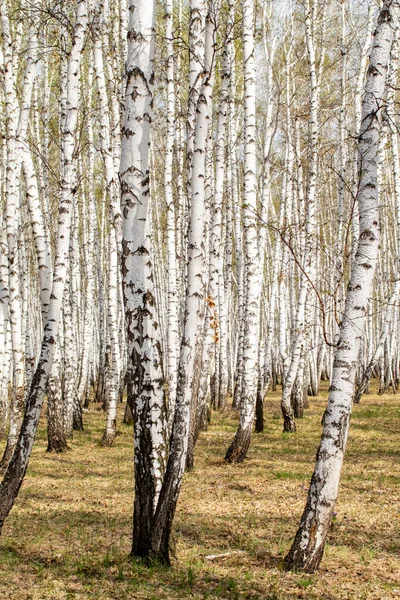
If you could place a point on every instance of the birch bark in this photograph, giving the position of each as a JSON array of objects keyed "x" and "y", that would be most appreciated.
[
  {"x": 13, "y": 228},
  {"x": 389, "y": 313},
  {"x": 112, "y": 186},
  {"x": 216, "y": 282},
  {"x": 193, "y": 327},
  {"x": 299, "y": 342},
  {"x": 308, "y": 546},
  {"x": 238, "y": 449},
  {"x": 146, "y": 381},
  {"x": 18, "y": 464},
  {"x": 173, "y": 324}
]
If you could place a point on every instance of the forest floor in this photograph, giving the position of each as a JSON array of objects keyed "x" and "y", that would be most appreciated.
[{"x": 69, "y": 534}]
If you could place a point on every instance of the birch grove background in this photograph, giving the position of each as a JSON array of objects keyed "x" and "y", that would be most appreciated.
[{"x": 192, "y": 198}]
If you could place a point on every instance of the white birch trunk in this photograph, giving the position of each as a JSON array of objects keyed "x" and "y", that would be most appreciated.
[
  {"x": 18, "y": 464},
  {"x": 191, "y": 347},
  {"x": 146, "y": 381},
  {"x": 308, "y": 546},
  {"x": 299, "y": 343},
  {"x": 173, "y": 325},
  {"x": 13, "y": 217},
  {"x": 239, "y": 446},
  {"x": 106, "y": 148}
]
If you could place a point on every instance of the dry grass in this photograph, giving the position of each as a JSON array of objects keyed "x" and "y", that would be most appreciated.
[{"x": 69, "y": 534}]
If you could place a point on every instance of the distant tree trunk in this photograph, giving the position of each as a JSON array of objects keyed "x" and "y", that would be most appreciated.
[
  {"x": 238, "y": 449},
  {"x": 114, "y": 234},
  {"x": 190, "y": 360},
  {"x": 13, "y": 225},
  {"x": 264, "y": 346},
  {"x": 173, "y": 298},
  {"x": 300, "y": 341},
  {"x": 216, "y": 280},
  {"x": 18, "y": 464},
  {"x": 358, "y": 110},
  {"x": 308, "y": 546},
  {"x": 67, "y": 377},
  {"x": 193, "y": 327},
  {"x": 366, "y": 376},
  {"x": 56, "y": 440},
  {"x": 4, "y": 345}
]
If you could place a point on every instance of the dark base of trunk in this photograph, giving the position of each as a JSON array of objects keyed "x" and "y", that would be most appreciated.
[
  {"x": 235, "y": 403},
  {"x": 8, "y": 452},
  {"x": 213, "y": 392},
  {"x": 259, "y": 426},
  {"x": 151, "y": 536},
  {"x": 289, "y": 424},
  {"x": 203, "y": 417},
  {"x": 301, "y": 560},
  {"x": 151, "y": 558},
  {"x": 312, "y": 390},
  {"x": 142, "y": 549},
  {"x": 299, "y": 411},
  {"x": 128, "y": 416},
  {"x": 189, "y": 461},
  {"x": 236, "y": 396},
  {"x": 86, "y": 396},
  {"x": 57, "y": 444},
  {"x": 108, "y": 438},
  {"x": 274, "y": 376},
  {"x": 77, "y": 416},
  {"x": 324, "y": 375},
  {"x": 237, "y": 451},
  {"x": 297, "y": 401}
]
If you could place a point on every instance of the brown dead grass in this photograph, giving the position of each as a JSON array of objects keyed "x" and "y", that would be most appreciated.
[{"x": 69, "y": 534}]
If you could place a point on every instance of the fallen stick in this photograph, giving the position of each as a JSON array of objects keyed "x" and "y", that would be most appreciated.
[{"x": 225, "y": 554}]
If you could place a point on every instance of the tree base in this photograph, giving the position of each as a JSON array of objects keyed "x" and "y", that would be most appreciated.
[
  {"x": 189, "y": 466},
  {"x": 108, "y": 438},
  {"x": 289, "y": 424},
  {"x": 237, "y": 451},
  {"x": 57, "y": 446},
  {"x": 259, "y": 425},
  {"x": 151, "y": 559},
  {"x": 300, "y": 560},
  {"x": 77, "y": 421}
]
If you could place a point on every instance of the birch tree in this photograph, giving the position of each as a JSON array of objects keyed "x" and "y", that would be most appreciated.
[
  {"x": 13, "y": 223},
  {"x": 238, "y": 449},
  {"x": 18, "y": 464},
  {"x": 146, "y": 382},
  {"x": 307, "y": 549}
]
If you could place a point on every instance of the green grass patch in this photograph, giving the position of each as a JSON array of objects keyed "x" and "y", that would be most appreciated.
[{"x": 69, "y": 534}]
